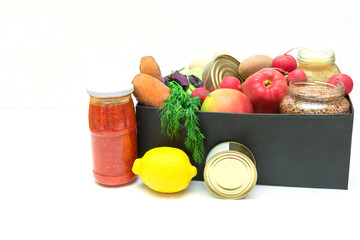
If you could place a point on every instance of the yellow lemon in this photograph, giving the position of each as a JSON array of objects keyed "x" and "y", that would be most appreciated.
[{"x": 165, "y": 169}]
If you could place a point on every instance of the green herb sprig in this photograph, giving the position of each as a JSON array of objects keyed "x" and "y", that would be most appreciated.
[{"x": 180, "y": 107}]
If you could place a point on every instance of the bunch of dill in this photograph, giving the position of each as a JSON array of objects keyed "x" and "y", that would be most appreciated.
[{"x": 180, "y": 108}]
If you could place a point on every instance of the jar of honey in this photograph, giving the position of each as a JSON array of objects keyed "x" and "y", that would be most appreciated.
[
  {"x": 112, "y": 124},
  {"x": 317, "y": 62}
]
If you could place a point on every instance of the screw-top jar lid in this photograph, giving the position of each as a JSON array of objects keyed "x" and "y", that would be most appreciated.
[{"x": 110, "y": 90}]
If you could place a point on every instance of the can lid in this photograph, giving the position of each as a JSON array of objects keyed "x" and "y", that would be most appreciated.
[
  {"x": 230, "y": 175},
  {"x": 110, "y": 90},
  {"x": 222, "y": 66}
]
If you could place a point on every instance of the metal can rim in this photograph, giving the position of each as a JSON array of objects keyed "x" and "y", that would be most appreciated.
[
  {"x": 242, "y": 145},
  {"x": 228, "y": 193}
]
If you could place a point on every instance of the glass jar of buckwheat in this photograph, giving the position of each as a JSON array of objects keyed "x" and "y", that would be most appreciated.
[{"x": 314, "y": 95}]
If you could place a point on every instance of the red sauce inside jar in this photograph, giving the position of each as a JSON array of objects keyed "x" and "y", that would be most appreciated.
[{"x": 112, "y": 123}]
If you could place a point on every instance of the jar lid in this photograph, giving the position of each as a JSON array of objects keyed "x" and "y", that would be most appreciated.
[{"x": 110, "y": 90}]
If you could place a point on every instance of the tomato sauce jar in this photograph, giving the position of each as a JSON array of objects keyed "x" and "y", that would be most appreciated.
[{"x": 112, "y": 124}]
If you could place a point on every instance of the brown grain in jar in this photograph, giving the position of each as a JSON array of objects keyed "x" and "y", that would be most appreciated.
[{"x": 314, "y": 96}]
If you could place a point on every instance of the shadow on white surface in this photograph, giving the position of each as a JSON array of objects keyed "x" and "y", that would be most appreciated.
[
  {"x": 118, "y": 186},
  {"x": 156, "y": 194}
]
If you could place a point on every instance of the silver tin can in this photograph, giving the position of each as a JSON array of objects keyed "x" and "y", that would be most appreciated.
[
  {"x": 222, "y": 66},
  {"x": 230, "y": 170}
]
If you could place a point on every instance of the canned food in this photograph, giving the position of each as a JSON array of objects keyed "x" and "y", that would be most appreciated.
[
  {"x": 215, "y": 71},
  {"x": 230, "y": 170}
]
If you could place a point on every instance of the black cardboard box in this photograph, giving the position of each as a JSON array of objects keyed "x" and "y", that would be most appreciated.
[{"x": 290, "y": 150}]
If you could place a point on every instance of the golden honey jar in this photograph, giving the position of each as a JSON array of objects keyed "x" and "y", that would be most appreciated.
[
  {"x": 317, "y": 62},
  {"x": 230, "y": 170}
]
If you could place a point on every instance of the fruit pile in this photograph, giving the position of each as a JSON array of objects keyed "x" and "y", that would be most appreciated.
[{"x": 258, "y": 86}]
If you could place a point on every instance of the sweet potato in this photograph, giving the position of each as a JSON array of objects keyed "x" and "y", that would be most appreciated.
[
  {"x": 149, "y": 91},
  {"x": 148, "y": 65}
]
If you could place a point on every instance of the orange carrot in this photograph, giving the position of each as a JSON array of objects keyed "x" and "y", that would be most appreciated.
[
  {"x": 148, "y": 65},
  {"x": 149, "y": 91}
]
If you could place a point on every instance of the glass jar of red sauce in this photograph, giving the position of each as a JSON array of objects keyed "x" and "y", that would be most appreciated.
[{"x": 112, "y": 125}]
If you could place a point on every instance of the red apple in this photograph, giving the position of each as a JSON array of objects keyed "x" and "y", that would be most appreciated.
[
  {"x": 297, "y": 73},
  {"x": 227, "y": 100},
  {"x": 348, "y": 82},
  {"x": 230, "y": 82},
  {"x": 265, "y": 89}
]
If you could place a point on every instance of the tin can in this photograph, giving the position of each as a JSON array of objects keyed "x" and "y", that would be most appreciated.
[
  {"x": 215, "y": 71},
  {"x": 230, "y": 170}
]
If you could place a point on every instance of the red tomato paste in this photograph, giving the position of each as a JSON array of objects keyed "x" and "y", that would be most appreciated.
[{"x": 114, "y": 144}]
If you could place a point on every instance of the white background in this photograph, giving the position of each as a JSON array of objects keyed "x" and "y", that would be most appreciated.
[{"x": 50, "y": 51}]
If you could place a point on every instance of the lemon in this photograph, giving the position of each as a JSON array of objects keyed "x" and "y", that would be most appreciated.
[{"x": 165, "y": 169}]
